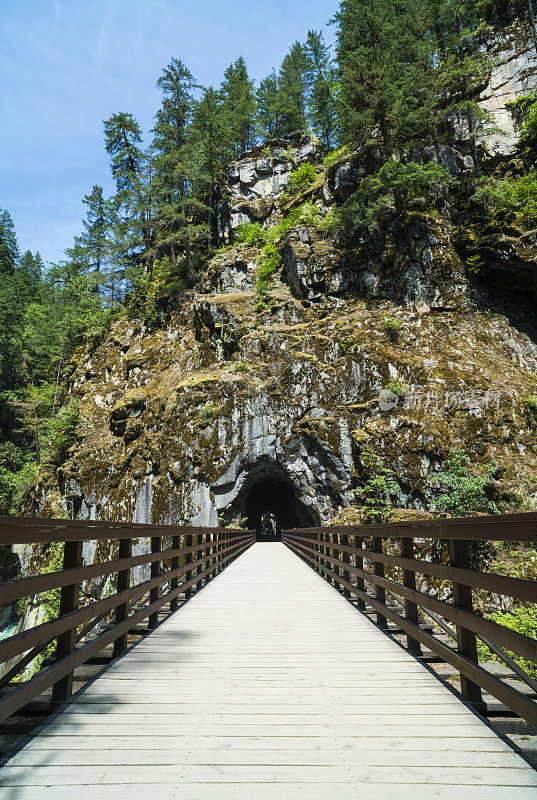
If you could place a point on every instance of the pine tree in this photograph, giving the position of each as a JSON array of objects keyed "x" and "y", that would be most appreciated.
[
  {"x": 463, "y": 66},
  {"x": 209, "y": 142},
  {"x": 177, "y": 208},
  {"x": 10, "y": 306},
  {"x": 293, "y": 89},
  {"x": 239, "y": 107},
  {"x": 268, "y": 104},
  {"x": 132, "y": 173},
  {"x": 96, "y": 233},
  {"x": 170, "y": 130},
  {"x": 29, "y": 274},
  {"x": 386, "y": 63},
  {"x": 321, "y": 80}
]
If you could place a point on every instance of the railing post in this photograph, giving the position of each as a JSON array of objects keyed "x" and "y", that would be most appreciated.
[
  {"x": 345, "y": 539},
  {"x": 212, "y": 562},
  {"x": 66, "y": 642},
  {"x": 154, "y": 594},
  {"x": 123, "y": 583},
  {"x": 326, "y": 552},
  {"x": 316, "y": 555},
  {"x": 174, "y": 582},
  {"x": 200, "y": 568},
  {"x": 188, "y": 560},
  {"x": 380, "y": 592},
  {"x": 358, "y": 542},
  {"x": 224, "y": 554},
  {"x": 409, "y": 580},
  {"x": 466, "y": 640},
  {"x": 208, "y": 558}
]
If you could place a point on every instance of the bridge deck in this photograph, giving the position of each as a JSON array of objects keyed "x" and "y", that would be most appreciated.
[{"x": 267, "y": 684}]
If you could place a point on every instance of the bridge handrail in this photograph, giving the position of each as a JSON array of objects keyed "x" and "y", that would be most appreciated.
[
  {"x": 191, "y": 558},
  {"x": 341, "y": 556}
]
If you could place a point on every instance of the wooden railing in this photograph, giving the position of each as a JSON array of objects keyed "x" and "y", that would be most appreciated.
[
  {"x": 190, "y": 558},
  {"x": 354, "y": 559}
]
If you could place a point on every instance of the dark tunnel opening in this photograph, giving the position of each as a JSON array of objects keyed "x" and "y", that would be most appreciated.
[{"x": 271, "y": 505}]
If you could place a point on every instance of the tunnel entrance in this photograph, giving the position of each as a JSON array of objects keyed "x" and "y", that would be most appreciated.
[
  {"x": 270, "y": 508},
  {"x": 268, "y": 503}
]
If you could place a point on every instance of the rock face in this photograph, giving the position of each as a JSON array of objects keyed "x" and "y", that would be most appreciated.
[
  {"x": 254, "y": 183},
  {"x": 514, "y": 73}
]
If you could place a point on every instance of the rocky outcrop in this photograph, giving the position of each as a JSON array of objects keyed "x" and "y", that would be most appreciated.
[
  {"x": 514, "y": 73},
  {"x": 253, "y": 184}
]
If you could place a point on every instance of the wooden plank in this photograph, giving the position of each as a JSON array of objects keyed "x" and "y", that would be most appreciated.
[
  {"x": 299, "y": 756},
  {"x": 275, "y": 773},
  {"x": 354, "y": 746},
  {"x": 180, "y": 790}
]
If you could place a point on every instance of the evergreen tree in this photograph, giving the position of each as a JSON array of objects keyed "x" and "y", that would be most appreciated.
[
  {"x": 239, "y": 107},
  {"x": 321, "y": 80},
  {"x": 209, "y": 142},
  {"x": 30, "y": 273},
  {"x": 96, "y": 231},
  {"x": 132, "y": 173},
  {"x": 463, "y": 66},
  {"x": 10, "y": 306},
  {"x": 293, "y": 89},
  {"x": 170, "y": 129},
  {"x": 386, "y": 64},
  {"x": 177, "y": 207},
  {"x": 268, "y": 104}
]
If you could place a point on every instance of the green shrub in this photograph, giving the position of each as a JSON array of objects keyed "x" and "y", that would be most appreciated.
[
  {"x": 336, "y": 155},
  {"x": 397, "y": 386},
  {"x": 380, "y": 488},
  {"x": 250, "y": 233},
  {"x": 522, "y": 620},
  {"x": 463, "y": 491},
  {"x": 524, "y": 113},
  {"x": 300, "y": 180},
  {"x": 327, "y": 224},
  {"x": 209, "y": 409},
  {"x": 392, "y": 327},
  {"x": 530, "y": 407},
  {"x": 269, "y": 264},
  {"x": 166, "y": 278},
  {"x": 389, "y": 190},
  {"x": 518, "y": 195},
  {"x": 61, "y": 431},
  {"x": 242, "y": 366}
]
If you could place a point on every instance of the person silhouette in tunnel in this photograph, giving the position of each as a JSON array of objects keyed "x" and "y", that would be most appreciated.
[{"x": 269, "y": 524}]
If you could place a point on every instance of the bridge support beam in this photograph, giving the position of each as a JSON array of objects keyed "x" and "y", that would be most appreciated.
[
  {"x": 188, "y": 560},
  {"x": 358, "y": 543}
]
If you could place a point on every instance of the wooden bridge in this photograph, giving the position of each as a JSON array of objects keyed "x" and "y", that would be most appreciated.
[{"x": 266, "y": 676}]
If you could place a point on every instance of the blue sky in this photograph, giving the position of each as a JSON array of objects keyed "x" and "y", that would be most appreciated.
[{"x": 66, "y": 65}]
